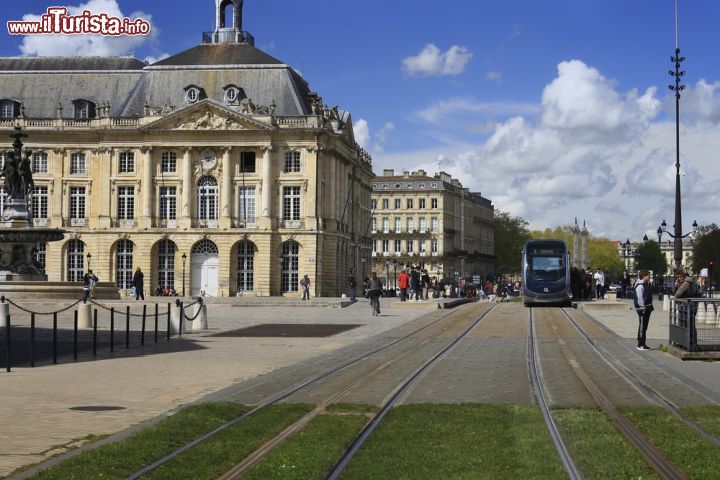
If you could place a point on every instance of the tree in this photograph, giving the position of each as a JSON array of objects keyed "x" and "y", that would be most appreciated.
[
  {"x": 649, "y": 257},
  {"x": 706, "y": 250},
  {"x": 511, "y": 233},
  {"x": 603, "y": 253}
]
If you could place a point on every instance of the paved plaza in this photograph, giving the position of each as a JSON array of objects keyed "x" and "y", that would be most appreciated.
[{"x": 38, "y": 420}]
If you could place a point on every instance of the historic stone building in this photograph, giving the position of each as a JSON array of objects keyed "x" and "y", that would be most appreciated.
[
  {"x": 216, "y": 171},
  {"x": 433, "y": 222}
]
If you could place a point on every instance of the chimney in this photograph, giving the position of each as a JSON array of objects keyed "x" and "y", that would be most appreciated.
[
  {"x": 406, "y": 173},
  {"x": 388, "y": 172},
  {"x": 422, "y": 173}
]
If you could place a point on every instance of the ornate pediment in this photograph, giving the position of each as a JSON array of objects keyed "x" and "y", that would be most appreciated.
[{"x": 207, "y": 115}]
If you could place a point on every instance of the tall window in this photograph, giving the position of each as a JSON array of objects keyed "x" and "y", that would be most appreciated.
[
  {"x": 386, "y": 225},
  {"x": 409, "y": 203},
  {"x": 124, "y": 264},
  {"x": 397, "y": 204},
  {"x": 166, "y": 264},
  {"x": 77, "y": 202},
  {"x": 434, "y": 224},
  {"x": 434, "y": 245},
  {"x": 126, "y": 162},
  {"x": 3, "y": 199},
  {"x": 292, "y": 162},
  {"x": 398, "y": 247},
  {"x": 126, "y": 203},
  {"x": 291, "y": 203},
  {"x": 207, "y": 199},
  {"x": 421, "y": 203},
  {"x": 40, "y": 251},
  {"x": 247, "y": 162},
  {"x": 373, "y": 204},
  {"x": 246, "y": 208},
  {"x": 245, "y": 266},
  {"x": 398, "y": 225},
  {"x": 373, "y": 224},
  {"x": 421, "y": 246},
  {"x": 168, "y": 162},
  {"x": 385, "y": 245},
  {"x": 75, "y": 258},
  {"x": 8, "y": 109},
  {"x": 409, "y": 246},
  {"x": 40, "y": 202},
  {"x": 421, "y": 224},
  {"x": 290, "y": 267},
  {"x": 84, "y": 109},
  {"x": 40, "y": 162},
  {"x": 385, "y": 204},
  {"x": 433, "y": 203},
  {"x": 77, "y": 163},
  {"x": 410, "y": 224},
  {"x": 168, "y": 203}
]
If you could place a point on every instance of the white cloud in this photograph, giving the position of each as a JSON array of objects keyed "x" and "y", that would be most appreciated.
[
  {"x": 588, "y": 150},
  {"x": 151, "y": 59},
  {"x": 86, "y": 45},
  {"x": 365, "y": 138},
  {"x": 494, "y": 76},
  {"x": 432, "y": 62},
  {"x": 362, "y": 133}
]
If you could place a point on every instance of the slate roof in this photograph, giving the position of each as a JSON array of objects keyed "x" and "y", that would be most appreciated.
[
  {"x": 220, "y": 54},
  {"x": 69, "y": 63}
]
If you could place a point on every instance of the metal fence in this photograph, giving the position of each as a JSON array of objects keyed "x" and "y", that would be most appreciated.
[
  {"x": 29, "y": 337},
  {"x": 695, "y": 324}
]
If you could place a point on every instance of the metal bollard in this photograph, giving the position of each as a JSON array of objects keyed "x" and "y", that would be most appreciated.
[
  {"x": 95, "y": 333},
  {"x": 112, "y": 329},
  {"x": 142, "y": 331},
  {"x": 84, "y": 312},
  {"x": 4, "y": 313},
  {"x": 54, "y": 348},
  {"x": 127, "y": 328},
  {"x": 32, "y": 340},
  {"x": 175, "y": 318},
  {"x": 8, "y": 343},
  {"x": 156, "y": 322}
]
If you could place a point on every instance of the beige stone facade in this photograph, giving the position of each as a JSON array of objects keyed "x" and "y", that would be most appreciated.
[
  {"x": 433, "y": 222},
  {"x": 217, "y": 166}
]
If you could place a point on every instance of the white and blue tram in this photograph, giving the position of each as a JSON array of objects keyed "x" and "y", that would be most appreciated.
[{"x": 546, "y": 272}]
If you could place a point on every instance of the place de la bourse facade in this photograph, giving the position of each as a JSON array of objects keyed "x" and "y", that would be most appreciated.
[{"x": 215, "y": 171}]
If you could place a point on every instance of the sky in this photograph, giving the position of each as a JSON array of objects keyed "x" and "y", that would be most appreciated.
[{"x": 553, "y": 109}]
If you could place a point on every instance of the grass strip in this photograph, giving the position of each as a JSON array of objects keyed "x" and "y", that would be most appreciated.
[
  {"x": 468, "y": 441},
  {"x": 217, "y": 455},
  {"x": 313, "y": 451},
  {"x": 119, "y": 459},
  {"x": 351, "y": 408},
  {"x": 597, "y": 448},
  {"x": 707, "y": 416},
  {"x": 697, "y": 456}
]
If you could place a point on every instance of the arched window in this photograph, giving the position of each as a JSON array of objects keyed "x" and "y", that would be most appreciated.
[
  {"x": 245, "y": 266},
  {"x": 227, "y": 10},
  {"x": 124, "y": 264},
  {"x": 207, "y": 199},
  {"x": 9, "y": 108},
  {"x": 193, "y": 94},
  {"x": 83, "y": 109},
  {"x": 205, "y": 246},
  {"x": 75, "y": 258},
  {"x": 166, "y": 264},
  {"x": 290, "y": 266}
]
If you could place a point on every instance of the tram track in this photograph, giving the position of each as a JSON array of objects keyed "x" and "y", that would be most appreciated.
[
  {"x": 287, "y": 393},
  {"x": 651, "y": 454}
]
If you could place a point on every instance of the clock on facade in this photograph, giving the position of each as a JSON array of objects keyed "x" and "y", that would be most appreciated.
[{"x": 207, "y": 160}]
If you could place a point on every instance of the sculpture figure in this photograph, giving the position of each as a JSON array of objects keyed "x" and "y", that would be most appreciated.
[
  {"x": 25, "y": 173},
  {"x": 11, "y": 172}
]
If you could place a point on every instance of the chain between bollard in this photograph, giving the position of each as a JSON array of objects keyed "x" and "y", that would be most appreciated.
[
  {"x": 104, "y": 307},
  {"x": 26, "y": 310}
]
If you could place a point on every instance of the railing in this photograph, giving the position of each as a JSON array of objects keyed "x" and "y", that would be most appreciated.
[
  {"x": 83, "y": 123},
  {"x": 164, "y": 223},
  {"x": 294, "y": 224},
  {"x": 248, "y": 222},
  {"x": 695, "y": 323},
  {"x": 74, "y": 222},
  {"x": 126, "y": 122}
]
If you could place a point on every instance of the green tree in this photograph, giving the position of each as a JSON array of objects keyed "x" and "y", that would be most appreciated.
[
  {"x": 649, "y": 257},
  {"x": 603, "y": 253},
  {"x": 706, "y": 250},
  {"x": 511, "y": 233}
]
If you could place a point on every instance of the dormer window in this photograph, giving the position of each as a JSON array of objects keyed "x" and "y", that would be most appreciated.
[
  {"x": 233, "y": 94},
  {"x": 193, "y": 94},
  {"x": 84, "y": 109},
  {"x": 9, "y": 109}
]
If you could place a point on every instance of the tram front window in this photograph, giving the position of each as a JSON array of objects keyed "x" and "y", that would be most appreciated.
[{"x": 545, "y": 270}]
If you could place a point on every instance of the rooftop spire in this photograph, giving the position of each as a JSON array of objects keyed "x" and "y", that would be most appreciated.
[{"x": 228, "y": 24}]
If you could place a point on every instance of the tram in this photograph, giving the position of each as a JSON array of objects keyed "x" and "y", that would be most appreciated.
[{"x": 546, "y": 273}]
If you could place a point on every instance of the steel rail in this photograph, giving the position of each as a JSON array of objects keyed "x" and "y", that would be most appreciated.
[
  {"x": 400, "y": 392},
  {"x": 282, "y": 396},
  {"x": 536, "y": 380},
  {"x": 652, "y": 455},
  {"x": 639, "y": 382}
]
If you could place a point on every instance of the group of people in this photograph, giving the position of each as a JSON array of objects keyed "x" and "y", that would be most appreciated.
[
  {"x": 417, "y": 283},
  {"x": 586, "y": 285}
]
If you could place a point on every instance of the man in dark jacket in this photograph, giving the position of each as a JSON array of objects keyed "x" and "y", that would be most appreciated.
[
  {"x": 415, "y": 283},
  {"x": 644, "y": 307},
  {"x": 137, "y": 282}
]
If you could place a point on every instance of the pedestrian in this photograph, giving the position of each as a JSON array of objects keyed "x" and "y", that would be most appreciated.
[
  {"x": 353, "y": 284},
  {"x": 643, "y": 307},
  {"x": 137, "y": 282},
  {"x": 599, "y": 278},
  {"x": 374, "y": 292},
  {"x": 93, "y": 282},
  {"x": 403, "y": 282},
  {"x": 425, "y": 279},
  {"x": 87, "y": 282},
  {"x": 685, "y": 311},
  {"x": 415, "y": 283},
  {"x": 305, "y": 284}
]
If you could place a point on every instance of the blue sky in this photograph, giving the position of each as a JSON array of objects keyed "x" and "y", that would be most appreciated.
[{"x": 553, "y": 109}]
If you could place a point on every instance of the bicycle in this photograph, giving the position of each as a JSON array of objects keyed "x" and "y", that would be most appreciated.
[{"x": 375, "y": 303}]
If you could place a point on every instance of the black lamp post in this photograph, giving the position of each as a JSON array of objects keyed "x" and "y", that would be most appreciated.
[
  {"x": 184, "y": 259},
  {"x": 395, "y": 274},
  {"x": 677, "y": 236},
  {"x": 89, "y": 256}
]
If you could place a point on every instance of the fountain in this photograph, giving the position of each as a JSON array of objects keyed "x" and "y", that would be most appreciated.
[{"x": 20, "y": 275}]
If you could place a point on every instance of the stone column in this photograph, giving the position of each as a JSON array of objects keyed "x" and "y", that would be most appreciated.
[
  {"x": 106, "y": 172},
  {"x": 146, "y": 220},
  {"x": 187, "y": 190},
  {"x": 226, "y": 191},
  {"x": 267, "y": 186}
]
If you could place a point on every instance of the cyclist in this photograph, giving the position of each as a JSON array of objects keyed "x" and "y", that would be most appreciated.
[{"x": 374, "y": 292}]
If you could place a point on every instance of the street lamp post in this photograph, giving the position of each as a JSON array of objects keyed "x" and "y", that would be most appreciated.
[
  {"x": 184, "y": 259},
  {"x": 677, "y": 236},
  {"x": 395, "y": 274},
  {"x": 89, "y": 256}
]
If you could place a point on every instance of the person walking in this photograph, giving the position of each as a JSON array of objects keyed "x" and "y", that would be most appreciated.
[
  {"x": 88, "y": 284},
  {"x": 137, "y": 282},
  {"x": 374, "y": 288},
  {"x": 685, "y": 311},
  {"x": 353, "y": 284},
  {"x": 305, "y": 284},
  {"x": 415, "y": 283},
  {"x": 403, "y": 282},
  {"x": 425, "y": 280},
  {"x": 643, "y": 307},
  {"x": 599, "y": 283}
]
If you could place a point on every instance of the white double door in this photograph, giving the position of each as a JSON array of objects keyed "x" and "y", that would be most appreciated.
[{"x": 204, "y": 267}]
